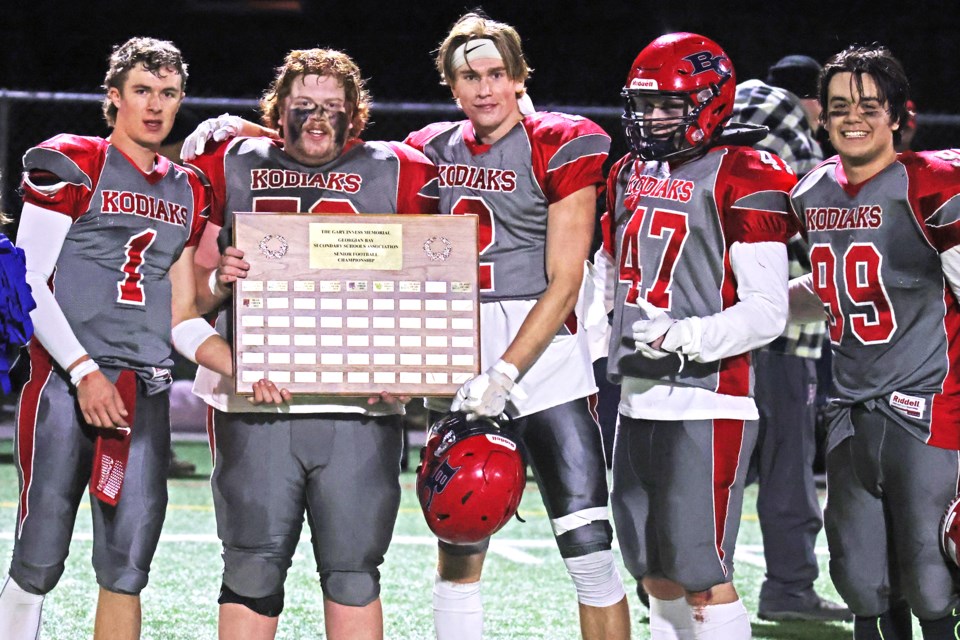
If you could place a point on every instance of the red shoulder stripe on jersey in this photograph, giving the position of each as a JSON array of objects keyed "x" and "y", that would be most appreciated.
[
  {"x": 419, "y": 139},
  {"x": 210, "y": 166},
  {"x": 417, "y": 182},
  {"x": 200, "y": 209},
  {"x": 933, "y": 188},
  {"x": 751, "y": 195},
  {"x": 550, "y": 134},
  {"x": 75, "y": 160}
]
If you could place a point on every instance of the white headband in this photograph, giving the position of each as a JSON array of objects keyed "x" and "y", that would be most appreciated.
[{"x": 478, "y": 49}]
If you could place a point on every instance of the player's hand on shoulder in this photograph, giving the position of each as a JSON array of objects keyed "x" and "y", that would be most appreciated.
[
  {"x": 266, "y": 392},
  {"x": 100, "y": 402},
  {"x": 217, "y": 129}
]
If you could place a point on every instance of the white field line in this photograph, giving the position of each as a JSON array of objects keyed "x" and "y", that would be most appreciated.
[{"x": 509, "y": 549}]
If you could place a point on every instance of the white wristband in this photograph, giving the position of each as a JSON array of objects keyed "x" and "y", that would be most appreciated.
[
  {"x": 507, "y": 369},
  {"x": 511, "y": 371},
  {"x": 81, "y": 370},
  {"x": 189, "y": 335}
]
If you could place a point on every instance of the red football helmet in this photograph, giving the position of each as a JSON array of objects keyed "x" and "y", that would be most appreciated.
[
  {"x": 673, "y": 69},
  {"x": 950, "y": 531},
  {"x": 470, "y": 479}
]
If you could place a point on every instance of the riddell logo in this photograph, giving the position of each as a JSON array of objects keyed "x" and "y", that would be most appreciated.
[
  {"x": 910, "y": 405},
  {"x": 500, "y": 440},
  {"x": 645, "y": 84}
]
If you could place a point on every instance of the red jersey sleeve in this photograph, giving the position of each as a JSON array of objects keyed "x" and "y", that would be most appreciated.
[
  {"x": 934, "y": 192},
  {"x": 209, "y": 165},
  {"x": 752, "y": 192},
  {"x": 568, "y": 153},
  {"x": 417, "y": 183},
  {"x": 201, "y": 206},
  {"x": 419, "y": 139},
  {"x": 608, "y": 225},
  {"x": 61, "y": 173}
]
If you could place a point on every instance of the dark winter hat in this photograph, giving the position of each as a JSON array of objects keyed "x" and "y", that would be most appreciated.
[{"x": 797, "y": 74}]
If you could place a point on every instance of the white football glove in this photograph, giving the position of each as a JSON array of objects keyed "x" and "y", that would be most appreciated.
[
  {"x": 647, "y": 331},
  {"x": 217, "y": 129},
  {"x": 684, "y": 337},
  {"x": 487, "y": 393}
]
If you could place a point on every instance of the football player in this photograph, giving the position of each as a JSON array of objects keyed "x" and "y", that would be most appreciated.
[
  {"x": 109, "y": 229},
  {"x": 694, "y": 248},
  {"x": 315, "y": 454},
  {"x": 532, "y": 179},
  {"x": 883, "y": 231}
]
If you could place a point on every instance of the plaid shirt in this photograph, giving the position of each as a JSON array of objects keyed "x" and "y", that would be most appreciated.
[{"x": 792, "y": 139}]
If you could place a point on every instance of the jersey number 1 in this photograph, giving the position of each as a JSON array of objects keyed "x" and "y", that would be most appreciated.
[{"x": 130, "y": 289}]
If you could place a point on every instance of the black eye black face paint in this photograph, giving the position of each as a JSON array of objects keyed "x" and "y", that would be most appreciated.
[
  {"x": 298, "y": 117},
  {"x": 337, "y": 123}
]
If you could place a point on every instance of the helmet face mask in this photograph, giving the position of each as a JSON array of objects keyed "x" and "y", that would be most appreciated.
[
  {"x": 680, "y": 68},
  {"x": 470, "y": 478}
]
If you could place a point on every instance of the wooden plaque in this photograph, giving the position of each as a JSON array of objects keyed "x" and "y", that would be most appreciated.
[{"x": 357, "y": 304}]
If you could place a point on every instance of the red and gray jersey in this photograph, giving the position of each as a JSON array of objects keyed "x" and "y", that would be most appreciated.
[
  {"x": 255, "y": 174},
  {"x": 875, "y": 253},
  {"x": 671, "y": 231},
  {"x": 510, "y": 185},
  {"x": 128, "y": 228}
]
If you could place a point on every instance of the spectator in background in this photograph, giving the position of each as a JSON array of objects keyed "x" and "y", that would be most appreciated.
[{"x": 786, "y": 377}]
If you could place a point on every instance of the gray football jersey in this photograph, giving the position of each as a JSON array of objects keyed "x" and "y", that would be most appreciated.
[
  {"x": 129, "y": 228},
  {"x": 875, "y": 253},
  {"x": 510, "y": 186},
  {"x": 671, "y": 229},
  {"x": 255, "y": 174}
]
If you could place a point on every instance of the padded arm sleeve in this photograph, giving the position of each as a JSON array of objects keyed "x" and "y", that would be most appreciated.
[
  {"x": 761, "y": 314},
  {"x": 41, "y": 235}
]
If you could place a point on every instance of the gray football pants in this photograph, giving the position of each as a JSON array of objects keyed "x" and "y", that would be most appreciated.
[
  {"x": 886, "y": 492},
  {"x": 341, "y": 470},
  {"x": 787, "y": 504},
  {"x": 54, "y": 449}
]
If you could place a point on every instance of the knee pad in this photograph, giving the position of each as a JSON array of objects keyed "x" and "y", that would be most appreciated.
[
  {"x": 351, "y": 588},
  {"x": 588, "y": 537},
  {"x": 270, "y": 606},
  {"x": 596, "y": 579}
]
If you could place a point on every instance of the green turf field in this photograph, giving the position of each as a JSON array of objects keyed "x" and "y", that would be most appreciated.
[{"x": 526, "y": 591}]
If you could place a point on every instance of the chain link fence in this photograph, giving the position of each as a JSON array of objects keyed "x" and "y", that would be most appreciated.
[{"x": 29, "y": 117}]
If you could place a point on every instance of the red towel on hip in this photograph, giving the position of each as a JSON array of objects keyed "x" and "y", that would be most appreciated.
[{"x": 112, "y": 447}]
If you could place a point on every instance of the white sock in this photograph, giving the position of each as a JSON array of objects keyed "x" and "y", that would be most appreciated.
[
  {"x": 457, "y": 610},
  {"x": 670, "y": 619},
  {"x": 19, "y": 612},
  {"x": 722, "y": 622}
]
